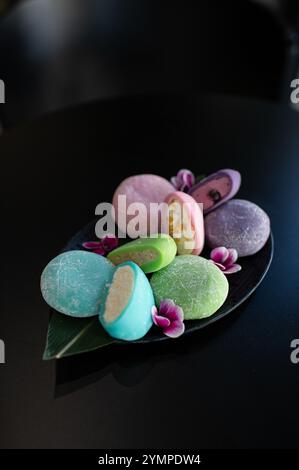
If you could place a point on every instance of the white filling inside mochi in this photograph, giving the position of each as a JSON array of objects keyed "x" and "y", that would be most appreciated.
[{"x": 119, "y": 293}]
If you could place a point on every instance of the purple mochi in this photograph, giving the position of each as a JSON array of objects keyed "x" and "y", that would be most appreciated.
[
  {"x": 238, "y": 224},
  {"x": 216, "y": 189}
]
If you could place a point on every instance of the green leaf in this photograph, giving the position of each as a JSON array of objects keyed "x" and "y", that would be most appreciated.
[{"x": 68, "y": 336}]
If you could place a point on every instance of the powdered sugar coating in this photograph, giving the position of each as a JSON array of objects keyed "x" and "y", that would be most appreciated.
[
  {"x": 238, "y": 224},
  {"x": 193, "y": 283},
  {"x": 75, "y": 282},
  {"x": 145, "y": 188}
]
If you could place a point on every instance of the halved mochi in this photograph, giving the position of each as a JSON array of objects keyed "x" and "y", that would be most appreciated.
[
  {"x": 216, "y": 189},
  {"x": 126, "y": 313},
  {"x": 151, "y": 254},
  {"x": 186, "y": 224}
]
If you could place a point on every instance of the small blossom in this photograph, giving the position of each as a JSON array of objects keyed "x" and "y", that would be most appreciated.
[
  {"x": 183, "y": 181},
  {"x": 102, "y": 247},
  {"x": 170, "y": 318},
  {"x": 225, "y": 259}
]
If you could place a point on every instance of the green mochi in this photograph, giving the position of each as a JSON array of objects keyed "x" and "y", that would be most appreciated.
[
  {"x": 193, "y": 283},
  {"x": 149, "y": 253}
]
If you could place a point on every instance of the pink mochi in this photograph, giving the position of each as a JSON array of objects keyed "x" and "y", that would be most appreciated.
[
  {"x": 195, "y": 216},
  {"x": 141, "y": 188}
]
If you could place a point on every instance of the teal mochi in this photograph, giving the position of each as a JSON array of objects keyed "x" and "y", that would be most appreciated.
[
  {"x": 75, "y": 282},
  {"x": 135, "y": 320},
  {"x": 192, "y": 282}
]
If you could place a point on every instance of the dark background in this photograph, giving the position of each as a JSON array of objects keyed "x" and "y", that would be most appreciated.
[
  {"x": 147, "y": 87},
  {"x": 55, "y": 53}
]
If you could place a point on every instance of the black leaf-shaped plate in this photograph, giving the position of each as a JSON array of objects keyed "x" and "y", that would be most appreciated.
[{"x": 241, "y": 284}]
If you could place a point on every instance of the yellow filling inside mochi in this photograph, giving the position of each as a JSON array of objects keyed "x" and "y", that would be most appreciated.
[{"x": 180, "y": 228}]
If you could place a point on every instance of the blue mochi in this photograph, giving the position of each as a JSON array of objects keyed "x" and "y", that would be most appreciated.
[
  {"x": 133, "y": 305},
  {"x": 76, "y": 282}
]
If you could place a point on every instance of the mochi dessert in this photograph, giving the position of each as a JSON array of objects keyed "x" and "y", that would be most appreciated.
[
  {"x": 140, "y": 188},
  {"x": 238, "y": 224},
  {"x": 151, "y": 254},
  {"x": 185, "y": 223},
  {"x": 193, "y": 283},
  {"x": 216, "y": 189},
  {"x": 126, "y": 312},
  {"x": 75, "y": 282}
]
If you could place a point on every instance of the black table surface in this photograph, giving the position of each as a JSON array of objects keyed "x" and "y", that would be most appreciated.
[{"x": 231, "y": 385}]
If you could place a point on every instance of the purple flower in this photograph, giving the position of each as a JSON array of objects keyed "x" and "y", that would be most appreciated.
[
  {"x": 225, "y": 259},
  {"x": 170, "y": 318},
  {"x": 183, "y": 181},
  {"x": 102, "y": 247}
]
